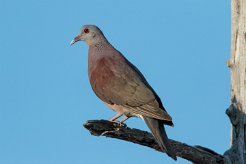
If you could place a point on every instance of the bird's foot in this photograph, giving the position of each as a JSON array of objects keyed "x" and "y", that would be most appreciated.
[{"x": 120, "y": 123}]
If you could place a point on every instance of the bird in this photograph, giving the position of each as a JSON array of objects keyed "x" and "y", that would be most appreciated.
[{"x": 122, "y": 87}]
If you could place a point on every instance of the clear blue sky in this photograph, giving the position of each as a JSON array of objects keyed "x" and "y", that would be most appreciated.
[{"x": 45, "y": 97}]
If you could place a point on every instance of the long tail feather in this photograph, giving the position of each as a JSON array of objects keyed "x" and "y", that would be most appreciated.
[{"x": 159, "y": 133}]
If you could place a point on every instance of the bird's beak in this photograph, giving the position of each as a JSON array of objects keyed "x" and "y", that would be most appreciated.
[{"x": 77, "y": 38}]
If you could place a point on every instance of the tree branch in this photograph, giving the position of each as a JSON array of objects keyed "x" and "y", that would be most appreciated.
[
  {"x": 196, "y": 154},
  {"x": 237, "y": 110}
]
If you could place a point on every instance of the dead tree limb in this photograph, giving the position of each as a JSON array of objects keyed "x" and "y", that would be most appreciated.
[
  {"x": 237, "y": 64},
  {"x": 196, "y": 154}
]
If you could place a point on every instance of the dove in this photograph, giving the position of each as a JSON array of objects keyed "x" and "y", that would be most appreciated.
[{"x": 122, "y": 87}]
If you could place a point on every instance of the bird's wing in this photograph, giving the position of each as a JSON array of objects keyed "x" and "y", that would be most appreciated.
[
  {"x": 117, "y": 81},
  {"x": 144, "y": 100}
]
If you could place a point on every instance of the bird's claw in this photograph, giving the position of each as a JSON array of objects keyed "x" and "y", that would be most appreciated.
[
  {"x": 103, "y": 133},
  {"x": 120, "y": 123}
]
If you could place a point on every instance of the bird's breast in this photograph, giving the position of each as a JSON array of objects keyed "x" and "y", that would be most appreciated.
[
  {"x": 102, "y": 78},
  {"x": 101, "y": 72}
]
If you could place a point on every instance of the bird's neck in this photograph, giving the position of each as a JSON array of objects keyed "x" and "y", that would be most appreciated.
[
  {"x": 100, "y": 45},
  {"x": 97, "y": 41},
  {"x": 97, "y": 52}
]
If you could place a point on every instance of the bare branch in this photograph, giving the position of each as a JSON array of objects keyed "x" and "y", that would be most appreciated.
[
  {"x": 237, "y": 110},
  {"x": 195, "y": 154}
]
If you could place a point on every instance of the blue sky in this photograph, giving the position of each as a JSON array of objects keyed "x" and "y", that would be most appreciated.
[{"x": 45, "y": 96}]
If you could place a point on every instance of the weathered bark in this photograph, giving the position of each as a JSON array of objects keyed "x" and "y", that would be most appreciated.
[
  {"x": 196, "y": 154},
  {"x": 237, "y": 65}
]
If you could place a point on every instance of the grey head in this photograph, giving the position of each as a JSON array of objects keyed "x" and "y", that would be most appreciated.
[{"x": 91, "y": 34}]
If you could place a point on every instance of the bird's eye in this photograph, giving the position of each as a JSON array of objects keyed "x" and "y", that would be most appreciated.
[{"x": 86, "y": 30}]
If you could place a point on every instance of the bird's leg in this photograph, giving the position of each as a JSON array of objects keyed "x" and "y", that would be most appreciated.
[
  {"x": 116, "y": 116},
  {"x": 121, "y": 122},
  {"x": 124, "y": 119}
]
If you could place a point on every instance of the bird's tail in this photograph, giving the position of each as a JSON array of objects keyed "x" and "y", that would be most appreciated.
[{"x": 159, "y": 133}]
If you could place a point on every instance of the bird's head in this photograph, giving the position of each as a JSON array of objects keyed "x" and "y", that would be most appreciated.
[{"x": 91, "y": 34}]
